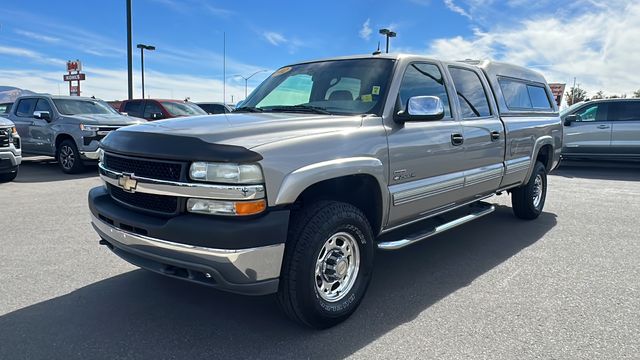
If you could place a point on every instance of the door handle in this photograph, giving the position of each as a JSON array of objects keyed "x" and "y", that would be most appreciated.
[
  {"x": 495, "y": 135},
  {"x": 457, "y": 139},
  {"x": 603, "y": 126}
]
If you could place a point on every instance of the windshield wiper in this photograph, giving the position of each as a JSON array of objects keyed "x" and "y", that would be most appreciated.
[
  {"x": 248, "y": 109},
  {"x": 300, "y": 108}
]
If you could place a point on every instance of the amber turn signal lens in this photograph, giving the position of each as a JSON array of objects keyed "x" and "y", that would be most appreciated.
[{"x": 250, "y": 207}]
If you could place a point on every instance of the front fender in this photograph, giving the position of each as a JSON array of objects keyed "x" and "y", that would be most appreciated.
[{"x": 300, "y": 179}]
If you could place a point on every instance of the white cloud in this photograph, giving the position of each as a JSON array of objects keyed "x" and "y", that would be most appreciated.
[
  {"x": 599, "y": 48},
  {"x": 456, "y": 9},
  {"x": 365, "y": 31},
  {"x": 110, "y": 84},
  {"x": 274, "y": 38},
  {"x": 30, "y": 54},
  {"x": 39, "y": 37}
]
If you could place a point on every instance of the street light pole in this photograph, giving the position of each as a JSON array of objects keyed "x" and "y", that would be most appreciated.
[
  {"x": 129, "y": 53},
  {"x": 246, "y": 80},
  {"x": 142, "y": 48},
  {"x": 389, "y": 34}
]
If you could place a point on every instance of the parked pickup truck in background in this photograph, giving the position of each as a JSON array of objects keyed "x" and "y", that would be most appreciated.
[
  {"x": 323, "y": 163},
  {"x": 67, "y": 127},
  {"x": 10, "y": 153}
]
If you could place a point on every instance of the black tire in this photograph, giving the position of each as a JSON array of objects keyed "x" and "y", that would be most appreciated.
[
  {"x": 7, "y": 177},
  {"x": 309, "y": 232},
  {"x": 523, "y": 199},
  {"x": 69, "y": 158}
]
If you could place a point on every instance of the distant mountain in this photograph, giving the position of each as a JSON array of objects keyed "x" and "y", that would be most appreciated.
[{"x": 10, "y": 93}]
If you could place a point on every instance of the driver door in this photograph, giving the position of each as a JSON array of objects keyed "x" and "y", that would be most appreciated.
[
  {"x": 40, "y": 130},
  {"x": 590, "y": 133}
]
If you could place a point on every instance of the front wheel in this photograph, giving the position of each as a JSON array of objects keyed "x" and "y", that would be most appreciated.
[
  {"x": 7, "y": 177},
  {"x": 327, "y": 265},
  {"x": 68, "y": 157},
  {"x": 528, "y": 200}
]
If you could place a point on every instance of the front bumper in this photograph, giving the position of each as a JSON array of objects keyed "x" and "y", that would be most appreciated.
[
  {"x": 10, "y": 159},
  {"x": 196, "y": 248},
  {"x": 90, "y": 155}
]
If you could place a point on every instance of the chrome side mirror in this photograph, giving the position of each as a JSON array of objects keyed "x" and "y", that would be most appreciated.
[
  {"x": 43, "y": 115},
  {"x": 422, "y": 108}
]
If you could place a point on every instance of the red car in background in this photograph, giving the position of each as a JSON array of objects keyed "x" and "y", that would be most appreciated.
[{"x": 156, "y": 109}]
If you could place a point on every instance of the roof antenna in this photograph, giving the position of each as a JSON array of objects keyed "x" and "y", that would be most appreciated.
[{"x": 377, "y": 52}]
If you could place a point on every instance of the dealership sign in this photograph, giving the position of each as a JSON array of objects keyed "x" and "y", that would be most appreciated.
[
  {"x": 558, "y": 90},
  {"x": 74, "y": 69},
  {"x": 74, "y": 77}
]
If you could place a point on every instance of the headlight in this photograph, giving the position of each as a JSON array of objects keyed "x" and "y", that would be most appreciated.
[
  {"x": 229, "y": 208},
  {"x": 89, "y": 127},
  {"x": 226, "y": 173},
  {"x": 101, "y": 155}
]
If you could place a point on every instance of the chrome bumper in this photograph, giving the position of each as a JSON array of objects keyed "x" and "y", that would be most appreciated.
[
  {"x": 90, "y": 155},
  {"x": 252, "y": 271}
]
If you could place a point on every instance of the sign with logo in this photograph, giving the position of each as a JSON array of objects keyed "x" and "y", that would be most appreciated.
[
  {"x": 74, "y": 90},
  {"x": 74, "y": 65},
  {"x": 558, "y": 90},
  {"x": 74, "y": 77}
]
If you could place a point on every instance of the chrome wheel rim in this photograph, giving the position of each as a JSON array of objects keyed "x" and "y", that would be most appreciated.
[
  {"x": 537, "y": 190},
  {"x": 337, "y": 267},
  {"x": 67, "y": 157}
]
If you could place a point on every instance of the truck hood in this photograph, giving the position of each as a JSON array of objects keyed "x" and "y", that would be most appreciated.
[
  {"x": 5, "y": 122},
  {"x": 249, "y": 130},
  {"x": 104, "y": 119}
]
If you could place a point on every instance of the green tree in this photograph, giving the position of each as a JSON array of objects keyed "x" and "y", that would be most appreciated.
[
  {"x": 598, "y": 95},
  {"x": 575, "y": 95},
  {"x": 636, "y": 94}
]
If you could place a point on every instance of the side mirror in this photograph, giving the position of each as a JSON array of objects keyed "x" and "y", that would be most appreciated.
[
  {"x": 422, "y": 108},
  {"x": 569, "y": 119},
  {"x": 43, "y": 115},
  {"x": 157, "y": 116}
]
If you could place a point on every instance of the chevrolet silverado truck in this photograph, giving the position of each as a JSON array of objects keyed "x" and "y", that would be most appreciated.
[
  {"x": 10, "y": 153},
  {"x": 325, "y": 162},
  {"x": 66, "y": 127}
]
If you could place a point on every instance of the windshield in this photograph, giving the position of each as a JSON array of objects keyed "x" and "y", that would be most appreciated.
[
  {"x": 182, "y": 108},
  {"x": 81, "y": 107},
  {"x": 329, "y": 87}
]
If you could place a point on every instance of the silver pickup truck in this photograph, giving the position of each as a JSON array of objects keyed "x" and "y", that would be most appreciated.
[
  {"x": 10, "y": 153},
  {"x": 325, "y": 162}
]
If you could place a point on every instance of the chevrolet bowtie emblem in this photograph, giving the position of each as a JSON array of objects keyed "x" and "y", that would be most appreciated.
[{"x": 127, "y": 183}]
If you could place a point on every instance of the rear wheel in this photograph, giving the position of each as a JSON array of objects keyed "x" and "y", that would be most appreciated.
[
  {"x": 327, "y": 265},
  {"x": 528, "y": 200},
  {"x": 68, "y": 157}
]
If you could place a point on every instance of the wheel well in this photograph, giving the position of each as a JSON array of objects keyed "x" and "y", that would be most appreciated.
[
  {"x": 60, "y": 138},
  {"x": 361, "y": 191},
  {"x": 545, "y": 156}
]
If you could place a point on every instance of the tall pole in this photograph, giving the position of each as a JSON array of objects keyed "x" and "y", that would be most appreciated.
[
  {"x": 224, "y": 67},
  {"x": 129, "y": 54},
  {"x": 142, "y": 68},
  {"x": 387, "y": 36}
]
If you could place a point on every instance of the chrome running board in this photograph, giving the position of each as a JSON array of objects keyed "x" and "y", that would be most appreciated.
[{"x": 419, "y": 236}]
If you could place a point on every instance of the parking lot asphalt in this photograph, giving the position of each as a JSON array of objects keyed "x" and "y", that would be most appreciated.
[{"x": 565, "y": 286}]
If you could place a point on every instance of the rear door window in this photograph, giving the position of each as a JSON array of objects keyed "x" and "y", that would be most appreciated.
[
  {"x": 25, "y": 107},
  {"x": 471, "y": 93},
  {"x": 625, "y": 111}
]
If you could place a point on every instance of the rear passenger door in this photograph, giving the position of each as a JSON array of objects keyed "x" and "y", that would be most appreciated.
[
  {"x": 590, "y": 134},
  {"x": 625, "y": 128},
  {"x": 23, "y": 118},
  {"x": 483, "y": 131}
]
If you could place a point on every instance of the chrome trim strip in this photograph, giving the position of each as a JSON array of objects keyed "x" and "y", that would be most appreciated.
[
  {"x": 428, "y": 187},
  {"x": 180, "y": 189},
  {"x": 517, "y": 165},
  {"x": 257, "y": 264},
  {"x": 398, "y": 244}
]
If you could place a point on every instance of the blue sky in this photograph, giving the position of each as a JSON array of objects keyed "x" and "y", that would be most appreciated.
[{"x": 595, "y": 41}]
